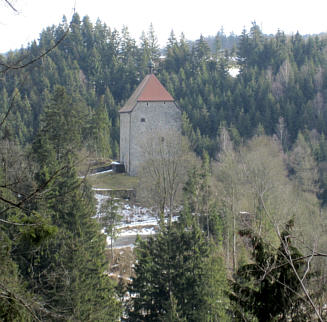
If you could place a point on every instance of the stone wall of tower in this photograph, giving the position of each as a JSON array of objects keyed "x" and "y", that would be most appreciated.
[
  {"x": 148, "y": 120},
  {"x": 125, "y": 139}
]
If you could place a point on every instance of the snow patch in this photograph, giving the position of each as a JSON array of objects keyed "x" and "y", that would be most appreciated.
[
  {"x": 136, "y": 220},
  {"x": 101, "y": 172},
  {"x": 234, "y": 71}
]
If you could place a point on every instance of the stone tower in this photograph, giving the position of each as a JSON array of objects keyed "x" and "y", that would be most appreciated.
[{"x": 150, "y": 111}]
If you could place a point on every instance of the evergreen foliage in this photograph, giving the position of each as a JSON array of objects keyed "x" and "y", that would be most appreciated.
[
  {"x": 268, "y": 288},
  {"x": 178, "y": 274},
  {"x": 52, "y": 242},
  {"x": 280, "y": 77}
]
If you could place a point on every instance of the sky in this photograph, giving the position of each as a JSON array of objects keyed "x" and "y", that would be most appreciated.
[{"x": 191, "y": 17}]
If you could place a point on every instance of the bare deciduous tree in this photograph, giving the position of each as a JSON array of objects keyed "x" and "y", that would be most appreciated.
[
  {"x": 255, "y": 182},
  {"x": 167, "y": 158}
]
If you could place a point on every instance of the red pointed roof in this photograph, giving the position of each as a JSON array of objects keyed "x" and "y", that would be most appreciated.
[{"x": 149, "y": 90}]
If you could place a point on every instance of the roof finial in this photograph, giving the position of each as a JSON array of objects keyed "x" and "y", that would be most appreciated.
[{"x": 151, "y": 66}]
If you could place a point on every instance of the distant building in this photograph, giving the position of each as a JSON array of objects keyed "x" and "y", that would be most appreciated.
[{"x": 150, "y": 111}]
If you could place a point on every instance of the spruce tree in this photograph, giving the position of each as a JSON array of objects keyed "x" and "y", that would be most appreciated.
[
  {"x": 268, "y": 288},
  {"x": 172, "y": 276},
  {"x": 99, "y": 132},
  {"x": 67, "y": 271}
]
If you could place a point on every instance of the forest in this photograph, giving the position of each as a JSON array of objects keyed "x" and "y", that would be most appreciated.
[{"x": 251, "y": 191}]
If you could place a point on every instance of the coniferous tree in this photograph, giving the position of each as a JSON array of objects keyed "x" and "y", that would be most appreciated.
[
  {"x": 100, "y": 132},
  {"x": 268, "y": 289},
  {"x": 68, "y": 270},
  {"x": 172, "y": 276}
]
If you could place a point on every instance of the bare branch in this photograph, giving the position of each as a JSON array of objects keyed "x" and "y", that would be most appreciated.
[
  {"x": 308, "y": 267},
  {"x": 20, "y": 204},
  {"x": 18, "y": 66},
  {"x": 301, "y": 282},
  {"x": 291, "y": 260},
  {"x": 11, "y": 6},
  {"x": 11, "y": 105},
  {"x": 11, "y": 296},
  {"x": 15, "y": 223}
]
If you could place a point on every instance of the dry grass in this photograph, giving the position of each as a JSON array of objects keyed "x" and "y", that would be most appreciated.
[{"x": 87, "y": 162}]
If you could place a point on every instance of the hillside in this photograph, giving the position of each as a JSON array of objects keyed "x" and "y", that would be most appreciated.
[
  {"x": 239, "y": 217},
  {"x": 281, "y": 77},
  {"x": 281, "y": 87}
]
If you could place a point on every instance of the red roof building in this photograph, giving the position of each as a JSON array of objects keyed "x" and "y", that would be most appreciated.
[
  {"x": 149, "y": 90},
  {"x": 150, "y": 111}
]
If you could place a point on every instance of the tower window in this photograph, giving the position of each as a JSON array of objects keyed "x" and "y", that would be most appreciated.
[{"x": 142, "y": 119}]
